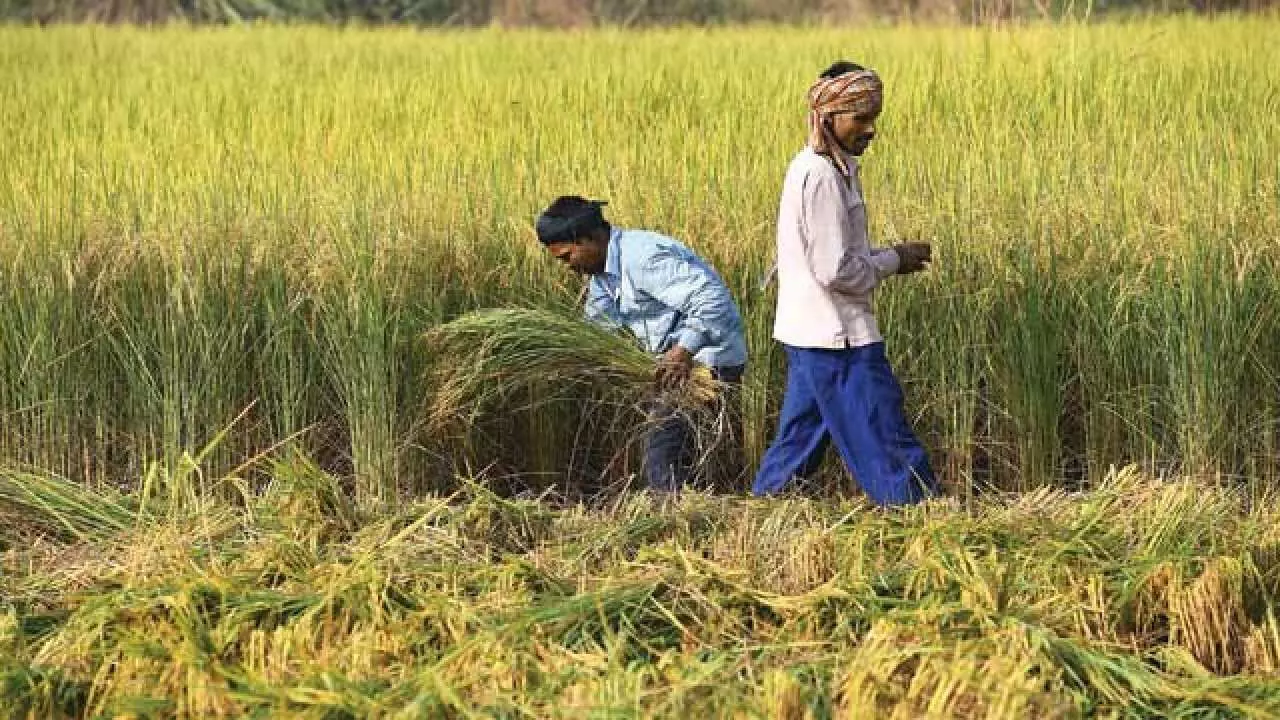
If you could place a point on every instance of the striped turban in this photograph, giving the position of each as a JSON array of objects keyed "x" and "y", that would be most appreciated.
[{"x": 859, "y": 92}]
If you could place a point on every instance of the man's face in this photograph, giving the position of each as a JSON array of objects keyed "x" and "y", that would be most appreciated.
[
  {"x": 854, "y": 132},
  {"x": 585, "y": 256}
]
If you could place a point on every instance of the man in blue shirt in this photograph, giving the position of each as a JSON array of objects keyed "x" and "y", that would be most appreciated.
[{"x": 670, "y": 299}]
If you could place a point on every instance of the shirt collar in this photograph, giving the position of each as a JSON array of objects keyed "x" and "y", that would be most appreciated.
[
  {"x": 850, "y": 161},
  {"x": 613, "y": 256}
]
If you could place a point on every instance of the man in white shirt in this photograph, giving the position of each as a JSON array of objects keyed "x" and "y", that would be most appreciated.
[{"x": 840, "y": 386}]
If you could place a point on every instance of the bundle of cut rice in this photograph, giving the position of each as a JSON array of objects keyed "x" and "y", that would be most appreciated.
[{"x": 487, "y": 358}]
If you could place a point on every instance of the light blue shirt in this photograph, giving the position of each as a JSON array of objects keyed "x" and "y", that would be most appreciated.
[{"x": 665, "y": 295}]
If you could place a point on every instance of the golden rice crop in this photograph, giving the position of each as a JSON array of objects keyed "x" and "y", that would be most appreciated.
[
  {"x": 198, "y": 222},
  {"x": 280, "y": 361}
]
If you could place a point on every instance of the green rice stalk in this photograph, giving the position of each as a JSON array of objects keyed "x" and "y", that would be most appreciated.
[{"x": 52, "y": 505}]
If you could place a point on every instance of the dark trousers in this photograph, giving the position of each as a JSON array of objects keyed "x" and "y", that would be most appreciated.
[
  {"x": 849, "y": 396},
  {"x": 670, "y": 444}
]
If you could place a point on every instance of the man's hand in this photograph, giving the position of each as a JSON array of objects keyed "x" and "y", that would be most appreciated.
[
  {"x": 673, "y": 369},
  {"x": 913, "y": 257}
]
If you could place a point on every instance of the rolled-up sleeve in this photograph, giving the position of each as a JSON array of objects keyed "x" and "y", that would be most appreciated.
[
  {"x": 838, "y": 250},
  {"x": 705, "y": 309}
]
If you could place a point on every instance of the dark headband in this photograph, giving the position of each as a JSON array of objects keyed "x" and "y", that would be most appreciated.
[{"x": 567, "y": 228}]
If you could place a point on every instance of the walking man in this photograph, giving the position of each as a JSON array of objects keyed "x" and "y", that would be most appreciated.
[
  {"x": 840, "y": 386},
  {"x": 665, "y": 295}
]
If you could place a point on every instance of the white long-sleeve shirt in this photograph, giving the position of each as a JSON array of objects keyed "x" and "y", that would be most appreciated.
[{"x": 827, "y": 269}]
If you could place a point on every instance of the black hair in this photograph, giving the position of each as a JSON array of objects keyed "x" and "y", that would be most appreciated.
[
  {"x": 840, "y": 67},
  {"x": 568, "y": 206},
  {"x": 569, "y": 218}
]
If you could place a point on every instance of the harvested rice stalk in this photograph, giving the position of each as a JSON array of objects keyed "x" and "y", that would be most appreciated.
[
  {"x": 46, "y": 504},
  {"x": 489, "y": 358}
]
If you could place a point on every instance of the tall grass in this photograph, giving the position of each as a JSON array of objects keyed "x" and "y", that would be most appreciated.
[{"x": 203, "y": 225}]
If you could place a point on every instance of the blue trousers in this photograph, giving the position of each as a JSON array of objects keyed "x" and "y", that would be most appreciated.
[
  {"x": 668, "y": 447},
  {"x": 849, "y": 396}
]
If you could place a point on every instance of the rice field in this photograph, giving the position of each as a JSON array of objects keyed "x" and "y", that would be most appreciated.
[{"x": 253, "y": 464}]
